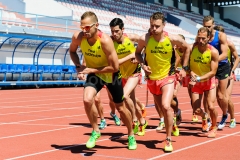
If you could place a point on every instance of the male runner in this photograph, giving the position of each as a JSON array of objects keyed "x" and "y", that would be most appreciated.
[
  {"x": 231, "y": 52},
  {"x": 158, "y": 68},
  {"x": 98, "y": 104},
  {"x": 219, "y": 41},
  {"x": 102, "y": 69},
  {"x": 203, "y": 67},
  {"x": 129, "y": 69}
]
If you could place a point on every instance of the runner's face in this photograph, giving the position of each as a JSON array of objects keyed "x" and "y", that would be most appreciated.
[
  {"x": 202, "y": 39},
  {"x": 209, "y": 25},
  {"x": 156, "y": 26},
  {"x": 89, "y": 27},
  {"x": 116, "y": 32}
]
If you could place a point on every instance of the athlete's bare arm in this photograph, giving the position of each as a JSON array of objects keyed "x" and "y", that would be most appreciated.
[
  {"x": 111, "y": 55},
  {"x": 224, "y": 46},
  {"x": 214, "y": 65},
  {"x": 234, "y": 53},
  {"x": 124, "y": 59},
  {"x": 177, "y": 40},
  {"x": 178, "y": 59},
  {"x": 141, "y": 45},
  {"x": 76, "y": 40},
  {"x": 133, "y": 37}
]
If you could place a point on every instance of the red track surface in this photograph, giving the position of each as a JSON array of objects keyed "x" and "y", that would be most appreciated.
[{"x": 52, "y": 124}]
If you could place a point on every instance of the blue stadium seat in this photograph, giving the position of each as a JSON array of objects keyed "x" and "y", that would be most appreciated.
[
  {"x": 56, "y": 70},
  {"x": 19, "y": 70},
  {"x": 13, "y": 68},
  {"x": 26, "y": 68},
  {"x": 69, "y": 70},
  {"x": 3, "y": 69},
  {"x": 40, "y": 70},
  {"x": 36, "y": 70},
  {"x": 46, "y": 69}
]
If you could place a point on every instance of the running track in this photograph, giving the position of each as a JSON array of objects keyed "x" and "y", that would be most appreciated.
[{"x": 52, "y": 124}]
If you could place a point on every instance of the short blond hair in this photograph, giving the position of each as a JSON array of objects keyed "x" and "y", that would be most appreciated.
[
  {"x": 89, "y": 14},
  {"x": 208, "y": 18}
]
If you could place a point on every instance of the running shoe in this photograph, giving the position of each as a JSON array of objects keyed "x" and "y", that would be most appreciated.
[
  {"x": 160, "y": 127},
  {"x": 212, "y": 133},
  {"x": 232, "y": 123},
  {"x": 141, "y": 131},
  {"x": 144, "y": 112},
  {"x": 204, "y": 125},
  {"x": 209, "y": 125},
  {"x": 116, "y": 119},
  {"x": 135, "y": 127},
  {"x": 168, "y": 146},
  {"x": 132, "y": 144},
  {"x": 103, "y": 124},
  {"x": 222, "y": 124},
  {"x": 92, "y": 140},
  {"x": 195, "y": 118},
  {"x": 175, "y": 130}
]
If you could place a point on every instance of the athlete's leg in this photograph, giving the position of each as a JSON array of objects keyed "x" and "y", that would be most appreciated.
[
  {"x": 161, "y": 124},
  {"x": 174, "y": 104},
  {"x": 230, "y": 104},
  {"x": 142, "y": 107},
  {"x": 210, "y": 100},
  {"x": 205, "y": 105},
  {"x": 129, "y": 95},
  {"x": 196, "y": 104},
  {"x": 113, "y": 108},
  {"x": 98, "y": 104},
  {"x": 111, "y": 103},
  {"x": 194, "y": 117},
  {"x": 222, "y": 100},
  {"x": 128, "y": 88},
  {"x": 92, "y": 86},
  {"x": 164, "y": 101},
  {"x": 90, "y": 108},
  {"x": 137, "y": 108},
  {"x": 116, "y": 91}
]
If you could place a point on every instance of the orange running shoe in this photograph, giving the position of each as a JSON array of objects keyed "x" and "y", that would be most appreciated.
[
  {"x": 212, "y": 133},
  {"x": 204, "y": 125},
  {"x": 144, "y": 112}
]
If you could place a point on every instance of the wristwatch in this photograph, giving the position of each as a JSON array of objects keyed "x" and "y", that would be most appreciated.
[
  {"x": 186, "y": 68},
  {"x": 198, "y": 78}
]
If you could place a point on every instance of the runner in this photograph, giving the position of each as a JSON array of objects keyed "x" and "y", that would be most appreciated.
[
  {"x": 102, "y": 68},
  {"x": 130, "y": 71},
  {"x": 219, "y": 41},
  {"x": 158, "y": 67},
  {"x": 98, "y": 104},
  {"x": 231, "y": 52},
  {"x": 203, "y": 67}
]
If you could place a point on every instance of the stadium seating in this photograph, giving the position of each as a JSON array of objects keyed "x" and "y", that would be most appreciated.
[{"x": 37, "y": 69}]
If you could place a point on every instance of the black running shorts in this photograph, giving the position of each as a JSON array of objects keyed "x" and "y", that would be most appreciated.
[
  {"x": 223, "y": 71},
  {"x": 115, "y": 88}
]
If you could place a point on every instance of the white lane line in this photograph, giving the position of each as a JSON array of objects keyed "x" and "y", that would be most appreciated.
[
  {"x": 32, "y": 133},
  {"x": 192, "y": 146}
]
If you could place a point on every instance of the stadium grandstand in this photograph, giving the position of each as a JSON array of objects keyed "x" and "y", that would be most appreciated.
[{"x": 35, "y": 34}]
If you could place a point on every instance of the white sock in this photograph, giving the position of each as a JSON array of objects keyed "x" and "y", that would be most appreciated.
[{"x": 161, "y": 119}]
